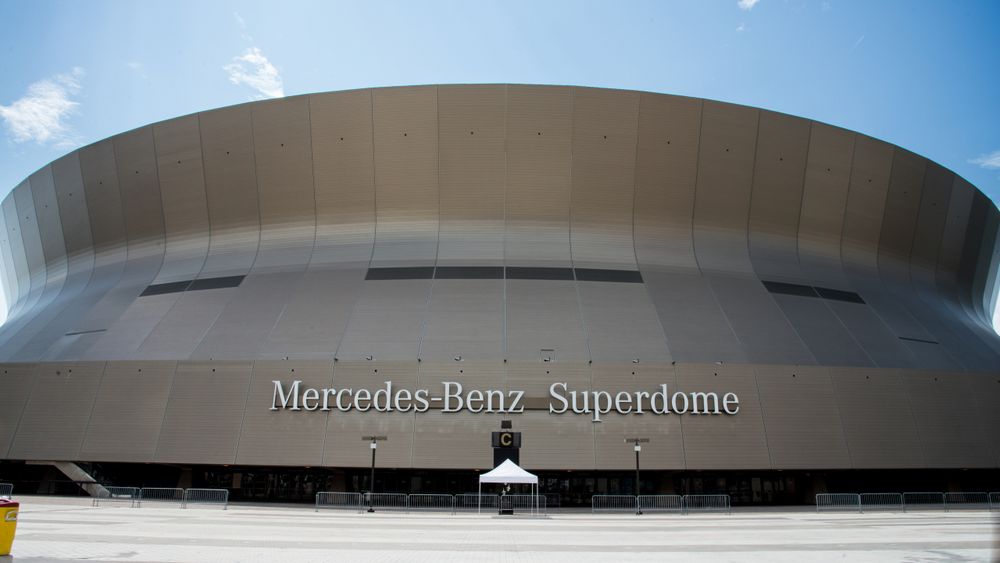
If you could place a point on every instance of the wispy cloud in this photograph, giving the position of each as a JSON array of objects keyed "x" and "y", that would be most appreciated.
[
  {"x": 138, "y": 69},
  {"x": 746, "y": 4},
  {"x": 254, "y": 70},
  {"x": 741, "y": 28},
  {"x": 239, "y": 20},
  {"x": 858, "y": 43},
  {"x": 41, "y": 114},
  {"x": 990, "y": 161}
]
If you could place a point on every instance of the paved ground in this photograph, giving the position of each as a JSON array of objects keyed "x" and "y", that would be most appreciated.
[{"x": 54, "y": 529}]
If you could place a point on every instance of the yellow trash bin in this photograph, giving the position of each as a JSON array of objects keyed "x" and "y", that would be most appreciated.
[{"x": 8, "y": 523}]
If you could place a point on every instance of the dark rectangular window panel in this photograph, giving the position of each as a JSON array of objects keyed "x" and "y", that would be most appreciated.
[
  {"x": 789, "y": 288},
  {"x": 74, "y": 333},
  {"x": 522, "y": 273},
  {"x": 469, "y": 272},
  {"x": 621, "y": 276},
  {"x": 216, "y": 283},
  {"x": 410, "y": 273},
  {"x": 838, "y": 295},
  {"x": 161, "y": 288},
  {"x": 917, "y": 340}
]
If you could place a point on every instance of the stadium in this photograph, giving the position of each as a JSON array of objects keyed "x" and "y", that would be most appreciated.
[{"x": 243, "y": 297}]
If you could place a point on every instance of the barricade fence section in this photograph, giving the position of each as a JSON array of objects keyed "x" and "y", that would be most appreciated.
[
  {"x": 923, "y": 501},
  {"x": 338, "y": 501},
  {"x": 614, "y": 503},
  {"x": 116, "y": 495},
  {"x": 6, "y": 490},
  {"x": 524, "y": 503},
  {"x": 707, "y": 503},
  {"x": 385, "y": 501},
  {"x": 829, "y": 502},
  {"x": 871, "y": 502},
  {"x": 472, "y": 502},
  {"x": 553, "y": 500},
  {"x": 431, "y": 502},
  {"x": 663, "y": 503},
  {"x": 160, "y": 494},
  {"x": 968, "y": 501},
  {"x": 994, "y": 501},
  {"x": 206, "y": 497}
]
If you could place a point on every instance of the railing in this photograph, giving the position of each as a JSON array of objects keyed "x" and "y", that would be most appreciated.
[
  {"x": 116, "y": 495},
  {"x": 158, "y": 495},
  {"x": 207, "y": 497},
  {"x": 6, "y": 490},
  {"x": 553, "y": 500},
  {"x": 613, "y": 503},
  {"x": 431, "y": 502},
  {"x": 707, "y": 503},
  {"x": 871, "y": 502},
  {"x": 994, "y": 501},
  {"x": 338, "y": 500},
  {"x": 385, "y": 501},
  {"x": 523, "y": 503},
  {"x": 829, "y": 502},
  {"x": 472, "y": 502},
  {"x": 969, "y": 501},
  {"x": 923, "y": 501},
  {"x": 664, "y": 503}
]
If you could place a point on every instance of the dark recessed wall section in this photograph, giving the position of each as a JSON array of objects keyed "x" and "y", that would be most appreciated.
[
  {"x": 790, "y": 288},
  {"x": 522, "y": 273},
  {"x": 76, "y": 332},
  {"x": 216, "y": 283},
  {"x": 918, "y": 340},
  {"x": 621, "y": 276},
  {"x": 838, "y": 295},
  {"x": 412, "y": 273},
  {"x": 161, "y": 288},
  {"x": 469, "y": 273}
]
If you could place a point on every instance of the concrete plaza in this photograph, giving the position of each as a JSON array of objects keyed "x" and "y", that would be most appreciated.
[{"x": 58, "y": 529}]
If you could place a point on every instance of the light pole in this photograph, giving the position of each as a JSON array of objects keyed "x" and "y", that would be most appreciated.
[
  {"x": 371, "y": 484},
  {"x": 637, "y": 448}
]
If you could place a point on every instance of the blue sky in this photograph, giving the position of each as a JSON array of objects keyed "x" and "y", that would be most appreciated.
[{"x": 924, "y": 75}]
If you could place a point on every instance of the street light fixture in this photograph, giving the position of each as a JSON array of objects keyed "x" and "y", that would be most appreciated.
[
  {"x": 637, "y": 448},
  {"x": 371, "y": 486}
]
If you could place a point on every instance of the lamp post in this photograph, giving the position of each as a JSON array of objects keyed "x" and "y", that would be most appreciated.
[
  {"x": 371, "y": 485},
  {"x": 637, "y": 448}
]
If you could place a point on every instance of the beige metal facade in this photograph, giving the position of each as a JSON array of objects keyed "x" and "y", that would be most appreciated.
[{"x": 160, "y": 280}]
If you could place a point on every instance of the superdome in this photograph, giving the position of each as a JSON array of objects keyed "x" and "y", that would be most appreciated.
[{"x": 505, "y": 237}]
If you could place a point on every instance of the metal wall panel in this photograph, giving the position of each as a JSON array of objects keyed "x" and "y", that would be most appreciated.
[
  {"x": 804, "y": 427},
  {"x": 604, "y": 153},
  {"x": 142, "y": 206},
  {"x": 128, "y": 411},
  {"x": 283, "y": 157},
  {"x": 284, "y": 437},
  {"x": 666, "y": 170},
  {"x": 344, "y": 177},
  {"x": 866, "y": 200},
  {"x": 231, "y": 189},
  {"x": 55, "y": 418},
  {"x": 16, "y": 380},
  {"x": 204, "y": 413},
  {"x": 986, "y": 394},
  {"x": 465, "y": 318},
  {"x": 18, "y": 258},
  {"x": 539, "y": 169},
  {"x": 386, "y": 321},
  {"x": 406, "y": 176},
  {"x": 949, "y": 437},
  {"x": 545, "y": 315},
  {"x": 182, "y": 328},
  {"x": 827, "y": 339},
  {"x": 621, "y": 323},
  {"x": 185, "y": 206},
  {"x": 472, "y": 136}
]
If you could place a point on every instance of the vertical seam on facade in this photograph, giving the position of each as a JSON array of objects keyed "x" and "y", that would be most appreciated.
[
  {"x": 246, "y": 401},
  {"x": 326, "y": 423},
  {"x": 763, "y": 418},
  {"x": 208, "y": 208},
  {"x": 256, "y": 182},
  {"x": 93, "y": 404},
  {"x": 312, "y": 178},
  {"x": 503, "y": 254},
  {"x": 694, "y": 195},
  {"x": 166, "y": 409},
  {"x": 840, "y": 415},
  {"x": 163, "y": 212},
  {"x": 35, "y": 376},
  {"x": 572, "y": 260}
]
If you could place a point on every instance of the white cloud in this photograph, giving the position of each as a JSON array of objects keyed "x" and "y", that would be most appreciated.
[
  {"x": 254, "y": 70},
  {"x": 239, "y": 20},
  {"x": 40, "y": 115},
  {"x": 740, "y": 28},
  {"x": 746, "y": 4},
  {"x": 858, "y": 43},
  {"x": 991, "y": 161}
]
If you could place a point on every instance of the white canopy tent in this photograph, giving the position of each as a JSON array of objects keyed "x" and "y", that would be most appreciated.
[{"x": 509, "y": 472}]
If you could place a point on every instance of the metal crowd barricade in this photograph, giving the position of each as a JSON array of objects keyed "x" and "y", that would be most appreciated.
[
  {"x": 207, "y": 497},
  {"x": 6, "y": 490},
  {"x": 871, "y": 502},
  {"x": 923, "y": 501},
  {"x": 968, "y": 501},
  {"x": 706, "y": 503},
  {"x": 116, "y": 495},
  {"x": 159, "y": 494},
  {"x": 613, "y": 503},
  {"x": 430, "y": 502},
  {"x": 829, "y": 502},
  {"x": 472, "y": 502},
  {"x": 385, "y": 501},
  {"x": 994, "y": 501},
  {"x": 553, "y": 500},
  {"x": 662, "y": 503},
  {"x": 523, "y": 503},
  {"x": 338, "y": 500}
]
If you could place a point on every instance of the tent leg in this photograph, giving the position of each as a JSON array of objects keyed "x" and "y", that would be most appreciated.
[{"x": 479, "y": 499}]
